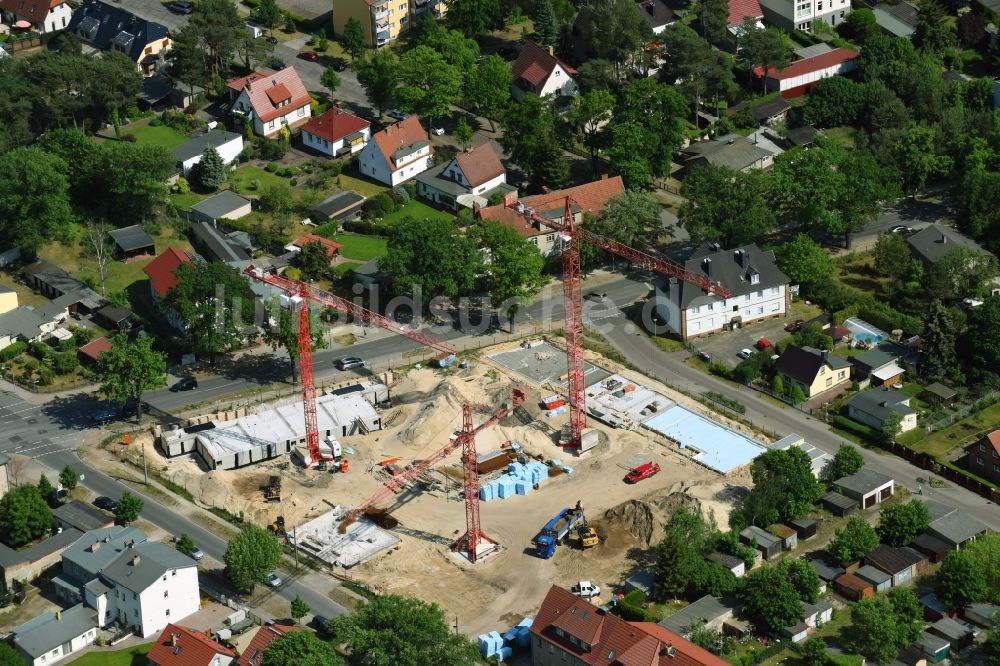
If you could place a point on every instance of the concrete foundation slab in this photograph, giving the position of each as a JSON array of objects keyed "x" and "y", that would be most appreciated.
[
  {"x": 543, "y": 362},
  {"x": 321, "y": 538},
  {"x": 719, "y": 447},
  {"x": 622, "y": 403}
]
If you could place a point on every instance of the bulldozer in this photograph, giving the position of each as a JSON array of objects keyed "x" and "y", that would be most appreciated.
[
  {"x": 277, "y": 527},
  {"x": 272, "y": 491}
]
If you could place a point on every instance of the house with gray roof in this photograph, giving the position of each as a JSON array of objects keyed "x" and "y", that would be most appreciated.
[
  {"x": 91, "y": 553},
  {"x": 867, "y": 487},
  {"x": 82, "y": 516},
  {"x": 873, "y": 407},
  {"x": 51, "y": 637},
  {"x": 214, "y": 245},
  {"x": 951, "y": 526},
  {"x": 731, "y": 151},
  {"x": 934, "y": 242},
  {"x": 877, "y": 368},
  {"x": 899, "y": 19},
  {"x": 229, "y": 145},
  {"x": 709, "y": 612},
  {"x": 759, "y": 291},
  {"x": 815, "y": 371}
]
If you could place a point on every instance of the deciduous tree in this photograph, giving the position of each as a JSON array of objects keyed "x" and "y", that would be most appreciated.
[
  {"x": 918, "y": 159},
  {"x": 430, "y": 85},
  {"x": 68, "y": 478},
  {"x": 770, "y": 599},
  {"x": 267, "y": 14},
  {"x": 282, "y": 330},
  {"x": 847, "y": 461},
  {"x": 298, "y": 608},
  {"x": 803, "y": 578},
  {"x": 353, "y": 38},
  {"x": 983, "y": 342},
  {"x": 725, "y": 206},
  {"x": 834, "y": 101},
  {"x": 909, "y": 614},
  {"x": 9, "y": 656},
  {"x": 590, "y": 113},
  {"x": 961, "y": 580},
  {"x": 330, "y": 79},
  {"x": 128, "y": 509},
  {"x": 487, "y": 87},
  {"x": 764, "y": 48},
  {"x": 129, "y": 369},
  {"x": 251, "y": 555},
  {"x": 24, "y": 515},
  {"x": 34, "y": 201},
  {"x": 474, "y": 17},
  {"x": 513, "y": 273},
  {"x": 629, "y": 217},
  {"x": 612, "y": 30},
  {"x": 804, "y": 261},
  {"x": 300, "y": 648},
  {"x": 463, "y": 133},
  {"x": 432, "y": 255},
  {"x": 130, "y": 180},
  {"x": 874, "y": 632},
  {"x": 185, "y": 544},
  {"x": 853, "y": 541},
  {"x": 813, "y": 651},
  {"x": 784, "y": 487},
  {"x": 379, "y": 75},
  {"x": 899, "y": 523}
]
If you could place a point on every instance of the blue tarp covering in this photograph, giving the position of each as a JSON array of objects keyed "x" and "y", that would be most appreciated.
[{"x": 720, "y": 448}]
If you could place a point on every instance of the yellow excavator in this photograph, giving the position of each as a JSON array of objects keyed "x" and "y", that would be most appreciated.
[
  {"x": 272, "y": 491},
  {"x": 588, "y": 535}
]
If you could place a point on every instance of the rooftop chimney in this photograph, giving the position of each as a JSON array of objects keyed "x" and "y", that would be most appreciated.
[
  {"x": 825, "y": 354},
  {"x": 706, "y": 264},
  {"x": 552, "y": 51},
  {"x": 58, "y": 615},
  {"x": 944, "y": 239},
  {"x": 94, "y": 547},
  {"x": 135, "y": 561}
]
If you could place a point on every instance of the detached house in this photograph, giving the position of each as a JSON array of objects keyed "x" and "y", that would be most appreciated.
[
  {"x": 254, "y": 654},
  {"x": 812, "y": 370},
  {"x": 229, "y": 145},
  {"x": 180, "y": 646},
  {"x": 397, "y": 153},
  {"x": 801, "y": 14},
  {"x": 42, "y": 15},
  {"x": 109, "y": 28},
  {"x": 470, "y": 178},
  {"x": 162, "y": 280},
  {"x": 336, "y": 132},
  {"x": 759, "y": 291},
  {"x": 270, "y": 101},
  {"x": 873, "y": 408},
  {"x": 537, "y": 71},
  {"x": 983, "y": 457}
]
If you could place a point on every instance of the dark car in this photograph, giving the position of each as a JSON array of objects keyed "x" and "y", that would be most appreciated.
[
  {"x": 349, "y": 362},
  {"x": 794, "y": 326},
  {"x": 102, "y": 416},
  {"x": 105, "y": 503},
  {"x": 507, "y": 51},
  {"x": 278, "y": 65},
  {"x": 181, "y": 7},
  {"x": 338, "y": 64},
  {"x": 271, "y": 40},
  {"x": 311, "y": 56},
  {"x": 319, "y": 623},
  {"x": 186, "y": 384}
]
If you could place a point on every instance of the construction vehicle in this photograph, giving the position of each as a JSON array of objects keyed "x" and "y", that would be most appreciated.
[
  {"x": 588, "y": 536},
  {"x": 277, "y": 527},
  {"x": 643, "y": 471},
  {"x": 555, "y": 531},
  {"x": 272, "y": 491}
]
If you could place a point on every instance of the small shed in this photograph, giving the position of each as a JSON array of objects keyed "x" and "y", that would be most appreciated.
[
  {"x": 853, "y": 588},
  {"x": 938, "y": 392},
  {"x": 817, "y": 614},
  {"x": 89, "y": 353},
  {"x": 827, "y": 571},
  {"x": 880, "y": 580},
  {"x": 342, "y": 206},
  {"x": 935, "y": 549},
  {"x": 731, "y": 562},
  {"x": 867, "y": 487},
  {"x": 983, "y": 614},
  {"x": 132, "y": 242},
  {"x": 114, "y": 318},
  {"x": 796, "y": 634},
  {"x": 957, "y": 633},
  {"x": 804, "y": 527},
  {"x": 789, "y": 537},
  {"x": 225, "y": 205},
  {"x": 838, "y": 504},
  {"x": 768, "y": 544},
  {"x": 935, "y": 648},
  {"x": 934, "y": 608},
  {"x": 642, "y": 581}
]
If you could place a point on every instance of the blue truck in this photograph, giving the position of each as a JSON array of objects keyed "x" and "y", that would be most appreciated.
[{"x": 556, "y": 530}]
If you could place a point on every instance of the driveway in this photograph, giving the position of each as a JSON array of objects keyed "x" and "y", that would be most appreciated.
[{"x": 725, "y": 346}]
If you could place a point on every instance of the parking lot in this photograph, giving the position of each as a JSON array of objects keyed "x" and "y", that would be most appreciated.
[{"x": 725, "y": 346}]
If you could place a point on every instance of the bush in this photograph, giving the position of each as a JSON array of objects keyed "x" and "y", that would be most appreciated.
[
  {"x": 182, "y": 186},
  {"x": 67, "y": 345},
  {"x": 293, "y": 182},
  {"x": 401, "y": 196},
  {"x": 39, "y": 350},
  {"x": 272, "y": 167},
  {"x": 852, "y": 426},
  {"x": 45, "y": 376},
  {"x": 288, "y": 171},
  {"x": 13, "y": 351},
  {"x": 254, "y": 185},
  {"x": 334, "y": 168},
  {"x": 271, "y": 149},
  {"x": 734, "y": 405},
  {"x": 155, "y": 122},
  {"x": 130, "y": 138},
  {"x": 64, "y": 364}
]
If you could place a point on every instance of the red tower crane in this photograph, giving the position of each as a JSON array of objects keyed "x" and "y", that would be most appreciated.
[
  {"x": 573, "y": 300},
  {"x": 466, "y": 438},
  {"x": 307, "y": 293}
]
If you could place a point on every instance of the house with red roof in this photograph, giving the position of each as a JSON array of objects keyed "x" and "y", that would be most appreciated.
[
  {"x": 587, "y": 198},
  {"x": 470, "y": 178},
  {"x": 180, "y": 646},
  {"x": 254, "y": 654},
  {"x": 162, "y": 279},
  {"x": 571, "y": 630},
  {"x": 270, "y": 101},
  {"x": 983, "y": 457},
  {"x": 90, "y": 352},
  {"x": 802, "y": 75},
  {"x": 336, "y": 131},
  {"x": 739, "y": 11},
  {"x": 538, "y": 71},
  {"x": 397, "y": 153},
  {"x": 40, "y": 15}
]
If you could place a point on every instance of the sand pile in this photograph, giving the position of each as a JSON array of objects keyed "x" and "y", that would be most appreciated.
[{"x": 645, "y": 520}]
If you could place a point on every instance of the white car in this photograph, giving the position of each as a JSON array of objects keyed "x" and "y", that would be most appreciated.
[
  {"x": 197, "y": 554},
  {"x": 745, "y": 353},
  {"x": 274, "y": 580},
  {"x": 437, "y": 131}
]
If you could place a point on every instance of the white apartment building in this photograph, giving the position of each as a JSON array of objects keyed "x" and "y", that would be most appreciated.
[{"x": 800, "y": 14}]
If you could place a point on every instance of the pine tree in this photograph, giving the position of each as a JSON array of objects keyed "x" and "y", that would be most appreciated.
[
  {"x": 939, "y": 338},
  {"x": 546, "y": 24},
  {"x": 211, "y": 170},
  {"x": 46, "y": 489}
]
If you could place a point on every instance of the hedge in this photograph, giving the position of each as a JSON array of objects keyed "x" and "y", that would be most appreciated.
[{"x": 12, "y": 351}]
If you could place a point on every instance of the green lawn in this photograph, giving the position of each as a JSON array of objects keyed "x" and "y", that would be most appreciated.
[
  {"x": 362, "y": 186},
  {"x": 341, "y": 270},
  {"x": 361, "y": 248},
  {"x": 242, "y": 177},
  {"x": 943, "y": 441},
  {"x": 161, "y": 135},
  {"x": 418, "y": 210},
  {"x": 133, "y": 656},
  {"x": 845, "y": 135},
  {"x": 186, "y": 201}
]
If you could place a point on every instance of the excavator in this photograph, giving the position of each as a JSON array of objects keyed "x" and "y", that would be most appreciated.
[
  {"x": 277, "y": 528},
  {"x": 588, "y": 535},
  {"x": 272, "y": 491}
]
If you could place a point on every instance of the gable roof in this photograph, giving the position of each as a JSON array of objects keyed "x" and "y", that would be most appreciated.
[
  {"x": 802, "y": 136},
  {"x": 267, "y": 91},
  {"x": 879, "y": 403},
  {"x": 35, "y": 12},
  {"x": 810, "y": 65},
  {"x": 590, "y": 197},
  {"x": 874, "y": 576},
  {"x": 48, "y": 631},
  {"x": 138, "y": 567},
  {"x": 731, "y": 151},
  {"x": 108, "y": 25},
  {"x": 109, "y": 542},
  {"x": 161, "y": 270},
  {"x": 480, "y": 165},
  {"x": 220, "y": 204},
  {"x": 197, "y": 146},
  {"x": 53, "y": 276},
  {"x": 863, "y": 482},
  {"x": 892, "y": 560},
  {"x": 612, "y": 639},
  {"x": 131, "y": 238},
  {"x": 934, "y": 242},
  {"x": 741, "y": 9},
  {"x": 535, "y": 65},
  {"x": 803, "y": 363},
  {"x": 339, "y": 204},
  {"x": 772, "y": 107},
  {"x": 253, "y": 655},
  {"x": 400, "y": 140},
  {"x": 216, "y": 244},
  {"x": 332, "y": 248},
  {"x": 956, "y": 528},
  {"x": 656, "y": 13},
  {"x": 733, "y": 268},
  {"x": 180, "y": 646},
  {"x": 95, "y": 348},
  {"x": 335, "y": 124},
  {"x": 873, "y": 358},
  {"x": 902, "y": 13},
  {"x": 992, "y": 439},
  {"x": 707, "y": 609}
]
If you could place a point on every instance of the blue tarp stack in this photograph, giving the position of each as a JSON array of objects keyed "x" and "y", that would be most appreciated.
[{"x": 519, "y": 480}]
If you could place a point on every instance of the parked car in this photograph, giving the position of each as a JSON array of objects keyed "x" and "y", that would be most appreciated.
[
  {"x": 437, "y": 131},
  {"x": 901, "y": 229},
  {"x": 197, "y": 554},
  {"x": 274, "y": 580},
  {"x": 705, "y": 356},
  {"x": 106, "y": 503},
  {"x": 642, "y": 472},
  {"x": 319, "y": 623},
  {"x": 745, "y": 353},
  {"x": 397, "y": 114},
  {"x": 763, "y": 344},
  {"x": 271, "y": 39},
  {"x": 596, "y": 296},
  {"x": 278, "y": 65},
  {"x": 586, "y": 589},
  {"x": 102, "y": 416},
  {"x": 349, "y": 362},
  {"x": 181, "y": 7},
  {"x": 311, "y": 56},
  {"x": 795, "y": 325},
  {"x": 186, "y": 384},
  {"x": 338, "y": 64}
]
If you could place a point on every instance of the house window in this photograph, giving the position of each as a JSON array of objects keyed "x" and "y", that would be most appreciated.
[
  {"x": 840, "y": 375},
  {"x": 168, "y": 612},
  {"x": 996, "y": 468},
  {"x": 302, "y": 111},
  {"x": 696, "y": 309},
  {"x": 174, "y": 572},
  {"x": 829, "y": 382},
  {"x": 746, "y": 298},
  {"x": 979, "y": 460},
  {"x": 711, "y": 306},
  {"x": 982, "y": 447},
  {"x": 760, "y": 310},
  {"x": 995, "y": 454}
]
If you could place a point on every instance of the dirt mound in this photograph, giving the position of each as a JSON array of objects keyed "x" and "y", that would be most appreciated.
[{"x": 645, "y": 520}]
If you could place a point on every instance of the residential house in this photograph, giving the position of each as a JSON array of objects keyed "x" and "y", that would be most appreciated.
[
  {"x": 253, "y": 655},
  {"x": 708, "y": 612},
  {"x": 656, "y": 13},
  {"x": 803, "y": 14},
  {"x": 818, "y": 458},
  {"x": 132, "y": 242},
  {"x": 730, "y": 150},
  {"x": 740, "y": 11},
  {"x": 899, "y": 19},
  {"x": 852, "y": 587},
  {"x": 876, "y": 368},
  {"x": 180, "y": 646},
  {"x": 900, "y": 563},
  {"x": 538, "y": 71},
  {"x": 867, "y": 487},
  {"x": 397, "y": 153},
  {"x": 568, "y": 629},
  {"x": 214, "y": 245},
  {"x": 470, "y": 178},
  {"x": 874, "y": 406},
  {"x": 335, "y": 132},
  {"x": 81, "y": 516},
  {"x": 340, "y": 207},
  {"x": 813, "y": 370},
  {"x": 759, "y": 291},
  {"x": 802, "y": 75},
  {"x": 270, "y": 102},
  {"x": 109, "y": 28},
  {"x": 52, "y": 636},
  {"x": 42, "y": 16},
  {"x": 731, "y": 562},
  {"x": 225, "y": 205},
  {"x": 934, "y": 242},
  {"x": 8, "y": 300},
  {"x": 162, "y": 279},
  {"x": 770, "y": 112},
  {"x": 28, "y": 563},
  {"x": 587, "y": 198},
  {"x": 952, "y": 526},
  {"x": 767, "y": 543},
  {"x": 800, "y": 137},
  {"x": 114, "y": 318},
  {"x": 31, "y": 324},
  {"x": 838, "y": 504},
  {"x": 229, "y": 145},
  {"x": 383, "y": 21},
  {"x": 983, "y": 457},
  {"x": 958, "y": 634},
  {"x": 90, "y": 352}
]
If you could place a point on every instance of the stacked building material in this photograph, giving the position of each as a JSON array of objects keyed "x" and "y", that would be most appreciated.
[
  {"x": 519, "y": 480},
  {"x": 490, "y": 644}
]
